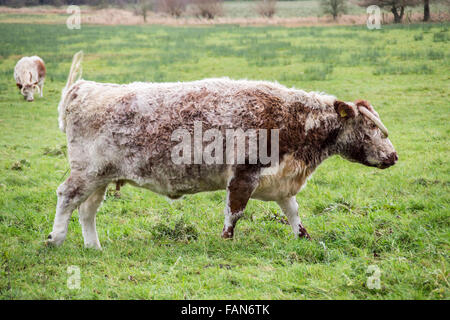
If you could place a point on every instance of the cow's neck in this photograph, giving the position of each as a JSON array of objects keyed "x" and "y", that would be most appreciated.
[{"x": 319, "y": 142}]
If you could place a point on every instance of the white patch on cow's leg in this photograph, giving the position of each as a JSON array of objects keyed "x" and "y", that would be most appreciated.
[
  {"x": 228, "y": 224},
  {"x": 87, "y": 213},
  {"x": 290, "y": 209},
  {"x": 230, "y": 220}
]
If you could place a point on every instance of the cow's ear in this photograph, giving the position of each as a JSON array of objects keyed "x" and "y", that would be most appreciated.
[
  {"x": 344, "y": 110},
  {"x": 19, "y": 85},
  {"x": 364, "y": 103}
]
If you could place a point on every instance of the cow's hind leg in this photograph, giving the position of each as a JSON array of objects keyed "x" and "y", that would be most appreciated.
[
  {"x": 87, "y": 212},
  {"x": 71, "y": 194},
  {"x": 290, "y": 209},
  {"x": 239, "y": 191}
]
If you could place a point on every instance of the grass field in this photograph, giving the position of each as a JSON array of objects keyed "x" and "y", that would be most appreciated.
[{"x": 397, "y": 219}]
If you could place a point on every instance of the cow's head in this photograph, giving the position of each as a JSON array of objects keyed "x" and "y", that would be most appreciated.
[
  {"x": 363, "y": 137},
  {"x": 28, "y": 90}
]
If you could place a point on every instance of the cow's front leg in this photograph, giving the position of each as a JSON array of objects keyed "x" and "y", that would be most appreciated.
[
  {"x": 239, "y": 190},
  {"x": 290, "y": 209}
]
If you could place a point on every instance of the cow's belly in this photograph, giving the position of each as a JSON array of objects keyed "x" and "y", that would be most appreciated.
[
  {"x": 178, "y": 181},
  {"x": 276, "y": 188},
  {"x": 175, "y": 181},
  {"x": 289, "y": 178}
]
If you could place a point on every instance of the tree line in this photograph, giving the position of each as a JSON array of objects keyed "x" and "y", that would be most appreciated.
[
  {"x": 211, "y": 8},
  {"x": 396, "y": 7},
  {"x": 23, "y": 3}
]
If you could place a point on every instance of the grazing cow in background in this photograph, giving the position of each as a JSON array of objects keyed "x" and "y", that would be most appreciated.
[
  {"x": 29, "y": 74},
  {"x": 124, "y": 134}
]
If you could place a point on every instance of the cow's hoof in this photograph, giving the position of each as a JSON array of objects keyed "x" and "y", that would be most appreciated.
[
  {"x": 54, "y": 241},
  {"x": 304, "y": 236},
  {"x": 227, "y": 232},
  {"x": 95, "y": 246},
  {"x": 302, "y": 233}
]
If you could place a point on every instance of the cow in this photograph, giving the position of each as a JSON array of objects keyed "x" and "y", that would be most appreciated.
[
  {"x": 125, "y": 134},
  {"x": 29, "y": 74}
]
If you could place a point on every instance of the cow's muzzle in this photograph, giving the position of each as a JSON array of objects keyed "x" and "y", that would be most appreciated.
[{"x": 389, "y": 161}]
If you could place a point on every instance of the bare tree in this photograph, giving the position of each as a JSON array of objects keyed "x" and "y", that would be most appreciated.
[
  {"x": 333, "y": 7},
  {"x": 208, "y": 8},
  {"x": 173, "y": 7},
  {"x": 397, "y": 7},
  {"x": 143, "y": 7},
  {"x": 266, "y": 8}
]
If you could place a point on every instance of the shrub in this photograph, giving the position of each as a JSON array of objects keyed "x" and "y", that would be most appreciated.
[
  {"x": 173, "y": 7},
  {"x": 266, "y": 8},
  {"x": 333, "y": 7},
  {"x": 208, "y": 8},
  {"x": 143, "y": 7}
]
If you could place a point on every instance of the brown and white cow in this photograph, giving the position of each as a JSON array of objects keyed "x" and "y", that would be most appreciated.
[
  {"x": 29, "y": 74},
  {"x": 124, "y": 133}
]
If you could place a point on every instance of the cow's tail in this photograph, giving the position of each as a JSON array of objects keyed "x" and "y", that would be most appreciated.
[{"x": 74, "y": 76}]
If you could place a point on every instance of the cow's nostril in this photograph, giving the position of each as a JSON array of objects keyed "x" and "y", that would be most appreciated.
[{"x": 394, "y": 156}]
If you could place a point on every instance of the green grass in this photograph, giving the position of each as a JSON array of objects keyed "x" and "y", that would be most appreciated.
[{"x": 397, "y": 219}]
